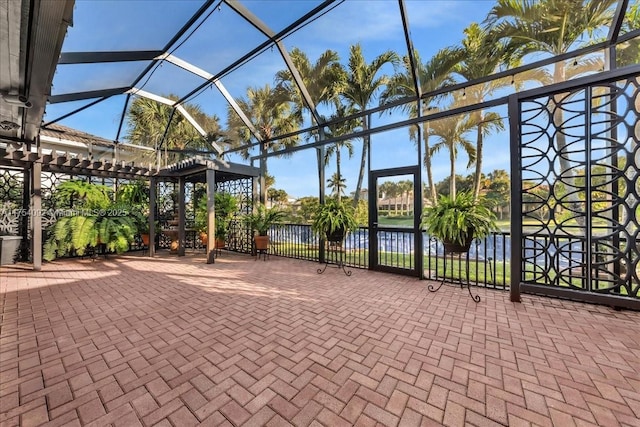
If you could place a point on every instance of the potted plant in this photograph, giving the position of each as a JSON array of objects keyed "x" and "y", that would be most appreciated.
[
  {"x": 201, "y": 219},
  {"x": 225, "y": 206},
  {"x": 456, "y": 221},
  {"x": 93, "y": 220},
  {"x": 260, "y": 221},
  {"x": 134, "y": 196},
  {"x": 333, "y": 220}
]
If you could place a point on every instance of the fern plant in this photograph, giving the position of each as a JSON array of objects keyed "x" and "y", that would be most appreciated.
[
  {"x": 332, "y": 217},
  {"x": 77, "y": 193},
  {"x": 460, "y": 219},
  {"x": 94, "y": 220}
]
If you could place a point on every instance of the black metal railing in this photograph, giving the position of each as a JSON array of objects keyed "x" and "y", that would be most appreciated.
[
  {"x": 488, "y": 258},
  {"x": 486, "y": 264},
  {"x": 395, "y": 249},
  {"x": 300, "y": 242}
]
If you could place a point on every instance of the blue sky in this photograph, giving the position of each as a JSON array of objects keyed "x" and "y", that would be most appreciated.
[{"x": 224, "y": 36}]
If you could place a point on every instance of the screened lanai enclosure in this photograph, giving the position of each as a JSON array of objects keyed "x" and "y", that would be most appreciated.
[{"x": 269, "y": 102}]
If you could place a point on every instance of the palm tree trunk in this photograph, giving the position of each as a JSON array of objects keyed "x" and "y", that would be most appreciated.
[
  {"x": 263, "y": 174},
  {"x": 363, "y": 160},
  {"x": 338, "y": 172},
  {"x": 427, "y": 162},
  {"x": 406, "y": 201},
  {"x": 479, "y": 148},
  {"x": 452, "y": 181},
  {"x": 320, "y": 161}
]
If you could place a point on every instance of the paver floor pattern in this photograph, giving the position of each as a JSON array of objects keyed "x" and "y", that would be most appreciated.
[{"x": 174, "y": 341}]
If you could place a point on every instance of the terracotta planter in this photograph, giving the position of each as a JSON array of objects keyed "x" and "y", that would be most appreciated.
[
  {"x": 204, "y": 238},
  {"x": 145, "y": 239},
  {"x": 220, "y": 244},
  {"x": 262, "y": 243}
]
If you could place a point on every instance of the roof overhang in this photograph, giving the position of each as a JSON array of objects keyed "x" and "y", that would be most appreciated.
[
  {"x": 194, "y": 170},
  {"x": 31, "y": 36}
]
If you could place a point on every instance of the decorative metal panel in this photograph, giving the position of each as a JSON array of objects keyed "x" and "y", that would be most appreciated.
[
  {"x": 580, "y": 162},
  {"x": 11, "y": 212},
  {"x": 49, "y": 183},
  {"x": 239, "y": 237}
]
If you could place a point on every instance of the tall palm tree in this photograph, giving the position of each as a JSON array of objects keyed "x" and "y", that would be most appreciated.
[
  {"x": 406, "y": 188},
  {"x": 483, "y": 55},
  {"x": 337, "y": 183},
  {"x": 554, "y": 27},
  {"x": 433, "y": 75},
  {"x": 322, "y": 80},
  {"x": 629, "y": 53},
  {"x": 451, "y": 134},
  {"x": 362, "y": 85},
  {"x": 271, "y": 116},
  {"x": 387, "y": 189},
  {"x": 148, "y": 120},
  {"x": 338, "y": 129}
]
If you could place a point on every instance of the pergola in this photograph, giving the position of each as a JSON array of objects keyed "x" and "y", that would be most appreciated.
[
  {"x": 33, "y": 50},
  {"x": 164, "y": 340},
  {"x": 207, "y": 171}
]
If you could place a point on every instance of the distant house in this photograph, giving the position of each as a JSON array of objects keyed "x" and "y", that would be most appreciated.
[{"x": 62, "y": 139}]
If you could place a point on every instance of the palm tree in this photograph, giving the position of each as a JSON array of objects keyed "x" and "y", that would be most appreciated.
[
  {"x": 271, "y": 116},
  {"x": 362, "y": 84},
  {"x": 337, "y": 129},
  {"x": 148, "y": 120},
  {"x": 450, "y": 133},
  {"x": 387, "y": 189},
  {"x": 406, "y": 187},
  {"x": 322, "y": 80},
  {"x": 629, "y": 53},
  {"x": 483, "y": 55},
  {"x": 337, "y": 184},
  {"x": 432, "y": 75},
  {"x": 498, "y": 190},
  {"x": 554, "y": 27}
]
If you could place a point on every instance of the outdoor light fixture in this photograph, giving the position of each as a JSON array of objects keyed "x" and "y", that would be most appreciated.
[
  {"x": 15, "y": 99},
  {"x": 7, "y": 125},
  {"x": 513, "y": 79}
]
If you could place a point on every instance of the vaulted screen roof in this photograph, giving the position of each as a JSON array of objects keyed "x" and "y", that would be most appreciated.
[{"x": 209, "y": 52}]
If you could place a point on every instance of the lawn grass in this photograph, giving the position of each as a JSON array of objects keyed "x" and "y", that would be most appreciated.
[
  {"x": 496, "y": 273},
  {"x": 396, "y": 221},
  {"x": 360, "y": 258}
]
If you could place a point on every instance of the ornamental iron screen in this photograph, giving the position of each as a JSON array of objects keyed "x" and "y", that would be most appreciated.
[
  {"x": 579, "y": 190},
  {"x": 11, "y": 199},
  {"x": 239, "y": 238}
]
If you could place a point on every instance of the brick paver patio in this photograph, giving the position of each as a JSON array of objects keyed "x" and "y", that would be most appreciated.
[{"x": 167, "y": 341}]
